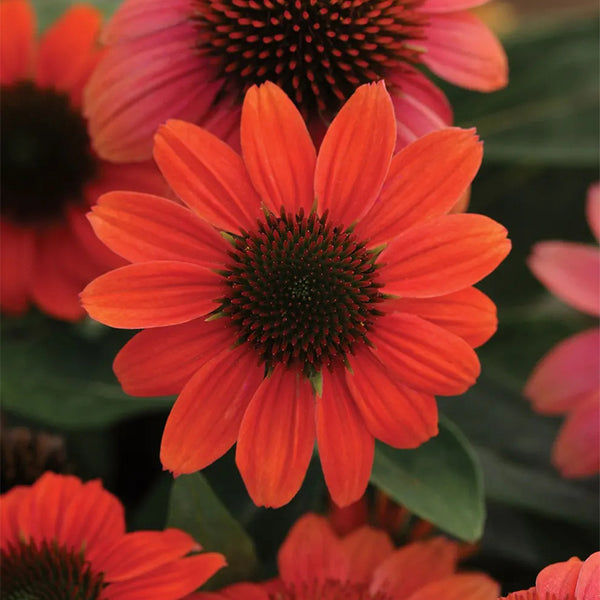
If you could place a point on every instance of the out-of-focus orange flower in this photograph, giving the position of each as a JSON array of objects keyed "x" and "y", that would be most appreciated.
[
  {"x": 384, "y": 513},
  {"x": 569, "y": 580},
  {"x": 49, "y": 174},
  {"x": 315, "y": 564},
  {"x": 298, "y": 296},
  {"x": 567, "y": 379},
  {"x": 195, "y": 59},
  {"x": 61, "y": 538}
]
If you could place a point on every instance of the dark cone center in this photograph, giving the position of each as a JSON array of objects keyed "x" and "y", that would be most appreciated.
[
  {"x": 45, "y": 571},
  {"x": 303, "y": 292},
  {"x": 45, "y": 154},
  {"x": 317, "y": 51}
]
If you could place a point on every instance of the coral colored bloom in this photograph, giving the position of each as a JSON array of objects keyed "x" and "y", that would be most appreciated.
[
  {"x": 49, "y": 174},
  {"x": 61, "y": 538},
  {"x": 567, "y": 379},
  {"x": 315, "y": 564},
  {"x": 195, "y": 59},
  {"x": 569, "y": 580},
  {"x": 278, "y": 322}
]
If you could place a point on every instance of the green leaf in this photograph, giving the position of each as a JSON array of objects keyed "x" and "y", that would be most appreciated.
[
  {"x": 439, "y": 481},
  {"x": 548, "y": 113},
  {"x": 195, "y": 508},
  {"x": 47, "y": 11},
  {"x": 528, "y": 487},
  {"x": 60, "y": 375},
  {"x": 513, "y": 444}
]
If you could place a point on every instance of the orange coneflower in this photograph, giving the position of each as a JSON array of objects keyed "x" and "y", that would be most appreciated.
[
  {"x": 61, "y": 538},
  {"x": 195, "y": 59},
  {"x": 296, "y": 296},
  {"x": 315, "y": 564},
  {"x": 572, "y": 579},
  {"x": 49, "y": 174}
]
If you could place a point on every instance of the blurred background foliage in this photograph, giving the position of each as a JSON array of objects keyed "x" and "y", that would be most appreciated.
[{"x": 493, "y": 452}]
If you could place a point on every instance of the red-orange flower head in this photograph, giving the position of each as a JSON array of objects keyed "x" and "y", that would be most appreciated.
[
  {"x": 295, "y": 296},
  {"x": 315, "y": 564},
  {"x": 62, "y": 538},
  {"x": 195, "y": 59},
  {"x": 49, "y": 175}
]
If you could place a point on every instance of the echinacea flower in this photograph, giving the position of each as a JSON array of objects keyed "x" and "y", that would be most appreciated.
[
  {"x": 62, "y": 538},
  {"x": 297, "y": 296},
  {"x": 195, "y": 59},
  {"x": 315, "y": 564},
  {"x": 568, "y": 580},
  {"x": 567, "y": 379},
  {"x": 49, "y": 175}
]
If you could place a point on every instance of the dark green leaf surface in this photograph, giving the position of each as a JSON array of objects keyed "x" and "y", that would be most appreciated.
[
  {"x": 48, "y": 11},
  {"x": 195, "y": 508},
  {"x": 548, "y": 114},
  {"x": 513, "y": 444},
  {"x": 440, "y": 481},
  {"x": 59, "y": 375},
  {"x": 529, "y": 487}
]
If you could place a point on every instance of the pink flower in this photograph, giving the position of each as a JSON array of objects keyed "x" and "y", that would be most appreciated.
[
  {"x": 567, "y": 379},
  {"x": 568, "y": 580},
  {"x": 195, "y": 59}
]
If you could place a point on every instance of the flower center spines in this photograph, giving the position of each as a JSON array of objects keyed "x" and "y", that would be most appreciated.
[{"x": 301, "y": 291}]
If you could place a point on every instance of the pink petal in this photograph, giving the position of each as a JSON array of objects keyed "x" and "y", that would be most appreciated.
[
  {"x": 420, "y": 106},
  {"x": 588, "y": 584},
  {"x": 443, "y": 6},
  {"x": 424, "y": 356},
  {"x": 576, "y": 451},
  {"x": 463, "y": 50},
  {"x": 425, "y": 180},
  {"x": 346, "y": 447},
  {"x": 276, "y": 438},
  {"x": 566, "y": 374},
  {"x": 207, "y": 175},
  {"x": 570, "y": 271},
  {"x": 205, "y": 420},
  {"x": 355, "y": 155},
  {"x": 136, "y": 18},
  {"x": 593, "y": 209},
  {"x": 157, "y": 362},
  {"x": 152, "y": 294},
  {"x": 277, "y": 149},
  {"x": 559, "y": 579},
  {"x": 138, "y": 85}
]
